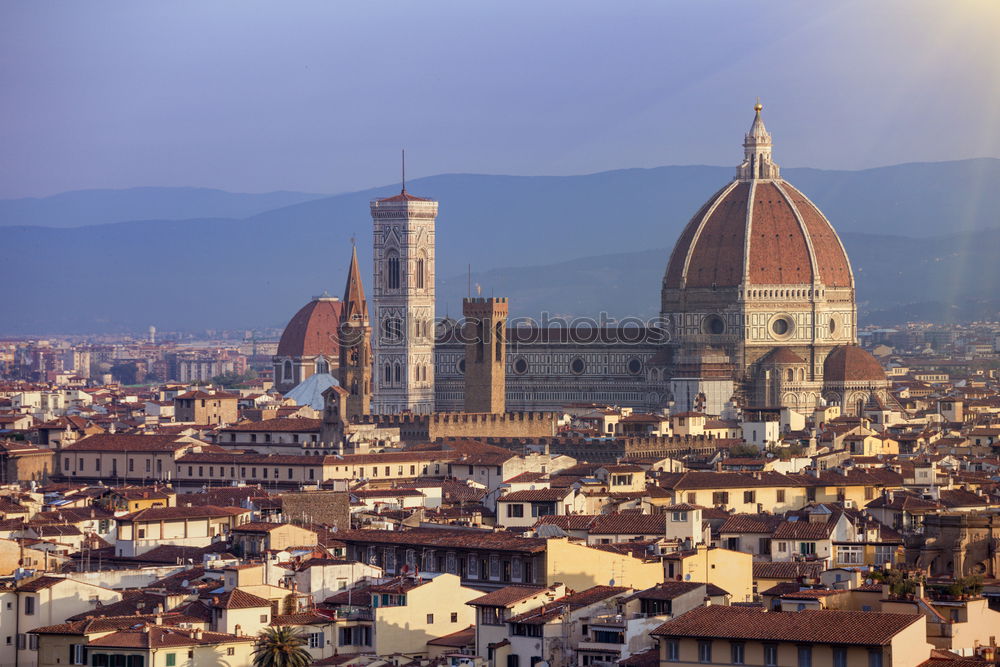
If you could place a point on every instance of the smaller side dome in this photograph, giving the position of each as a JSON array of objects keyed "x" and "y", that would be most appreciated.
[
  {"x": 849, "y": 363},
  {"x": 313, "y": 330},
  {"x": 783, "y": 356}
]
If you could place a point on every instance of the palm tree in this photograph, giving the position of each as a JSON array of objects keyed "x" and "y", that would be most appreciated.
[{"x": 281, "y": 646}]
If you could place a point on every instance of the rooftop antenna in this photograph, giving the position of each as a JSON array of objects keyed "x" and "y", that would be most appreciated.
[
  {"x": 404, "y": 169},
  {"x": 470, "y": 282}
]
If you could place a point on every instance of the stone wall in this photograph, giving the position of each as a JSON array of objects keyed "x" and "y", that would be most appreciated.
[{"x": 327, "y": 507}]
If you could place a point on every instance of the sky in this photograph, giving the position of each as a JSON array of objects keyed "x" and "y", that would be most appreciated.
[{"x": 320, "y": 96}]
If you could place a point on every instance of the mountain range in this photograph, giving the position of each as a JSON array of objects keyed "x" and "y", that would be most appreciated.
[{"x": 922, "y": 240}]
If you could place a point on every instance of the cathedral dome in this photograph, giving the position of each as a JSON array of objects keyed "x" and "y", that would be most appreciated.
[
  {"x": 758, "y": 230},
  {"x": 849, "y": 363},
  {"x": 313, "y": 330}
]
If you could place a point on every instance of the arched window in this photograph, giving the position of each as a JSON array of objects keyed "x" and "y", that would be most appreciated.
[
  {"x": 392, "y": 270},
  {"x": 388, "y": 373},
  {"x": 791, "y": 375},
  {"x": 398, "y": 378},
  {"x": 286, "y": 372},
  {"x": 322, "y": 366},
  {"x": 420, "y": 273}
]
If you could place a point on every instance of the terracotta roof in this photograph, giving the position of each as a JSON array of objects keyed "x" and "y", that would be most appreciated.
[
  {"x": 168, "y": 513},
  {"x": 804, "y": 530},
  {"x": 713, "y": 249},
  {"x": 551, "y": 610},
  {"x": 198, "y": 393},
  {"x": 850, "y": 363},
  {"x": 705, "y": 479},
  {"x": 535, "y": 495},
  {"x": 858, "y": 628},
  {"x": 303, "y": 618},
  {"x": 313, "y": 330},
  {"x": 239, "y": 599},
  {"x": 668, "y": 590},
  {"x": 97, "y": 624},
  {"x": 628, "y": 523},
  {"x": 790, "y": 570},
  {"x": 506, "y": 596},
  {"x": 283, "y": 425},
  {"x": 227, "y": 496},
  {"x": 38, "y": 584},
  {"x": 750, "y": 523},
  {"x": 403, "y": 196},
  {"x": 118, "y": 442},
  {"x": 444, "y": 537},
  {"x": 460, "y": 639},
  {"x": 260, "y": 527},
  {"x": 161, "y": 637}
]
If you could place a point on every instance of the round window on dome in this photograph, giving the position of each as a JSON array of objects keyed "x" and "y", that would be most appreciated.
[
  {"x": 577, "y": 366},
  {"x": 781, "y": 326},
  {"x": 713, "y": 324},
  {"x": 520, "y": 366},
  {"x": 634, "y": 366},
  {"x": 461, "y": 366},
  {"x": 833, "y": 325}
]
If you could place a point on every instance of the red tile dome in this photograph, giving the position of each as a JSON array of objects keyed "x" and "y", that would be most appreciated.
[
  {"x": 849, "y": 363},
  {"x": 782, "y": 355},
  {"x": 313, "y": 330},
  {"x": 758, "y": 230},
  {"x": 790, "y": 241}
]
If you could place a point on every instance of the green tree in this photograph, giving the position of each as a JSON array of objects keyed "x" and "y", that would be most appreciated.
[
  {"x": 234, "y": 379},
  {"x": 744, "y": 451},
  {"x": 281, "y": 646}
]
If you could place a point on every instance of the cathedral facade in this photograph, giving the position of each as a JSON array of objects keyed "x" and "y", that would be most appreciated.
[{"x": 757, "y": 312}]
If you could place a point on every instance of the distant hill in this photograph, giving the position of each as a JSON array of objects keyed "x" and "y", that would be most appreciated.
[
  {"x": 97, "y": 207},
  {"x": 917, "y": 233},
  {"x": 948, "y": 278}
]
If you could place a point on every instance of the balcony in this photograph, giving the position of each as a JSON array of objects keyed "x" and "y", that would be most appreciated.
[{"x": 354, "y": 614}]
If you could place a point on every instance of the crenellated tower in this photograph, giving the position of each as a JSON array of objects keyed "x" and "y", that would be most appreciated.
[{"x": 485, "y": 354}]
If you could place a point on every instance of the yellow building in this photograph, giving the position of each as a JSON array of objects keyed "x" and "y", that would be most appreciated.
[
  {"x": 753, "y": 636},
  {"x": 732, "y": 571},
  {"x": 739, "y": 492},
  {"x": 580, "y": 567},
  {"x": 400, "y": 615},
  {"x": 854, "y": 487},
  {"x": 107, "y": 642}
]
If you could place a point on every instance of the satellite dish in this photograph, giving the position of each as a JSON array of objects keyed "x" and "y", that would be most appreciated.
[
  {"x": 687, "y": 577},
  {"x": 610, "y": 583}
]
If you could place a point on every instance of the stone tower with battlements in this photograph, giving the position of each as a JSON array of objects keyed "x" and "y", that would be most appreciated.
[
  {"x": 404, "y": 303},
  {"x": 355, "y": 368},
  {"x": 485, "y": 336}
]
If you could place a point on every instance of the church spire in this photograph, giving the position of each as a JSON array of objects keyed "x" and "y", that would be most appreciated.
[
  {"x": 757, "y": 162},
  {"x": 355, "y": 306}
]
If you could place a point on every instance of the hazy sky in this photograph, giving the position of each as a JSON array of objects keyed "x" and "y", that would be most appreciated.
[{"x": 320, "y": 96}]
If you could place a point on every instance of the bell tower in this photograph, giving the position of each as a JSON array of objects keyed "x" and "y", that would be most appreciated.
[
  {"x": 404, "y": 303},
  {"x": 355, "y": 370}
]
